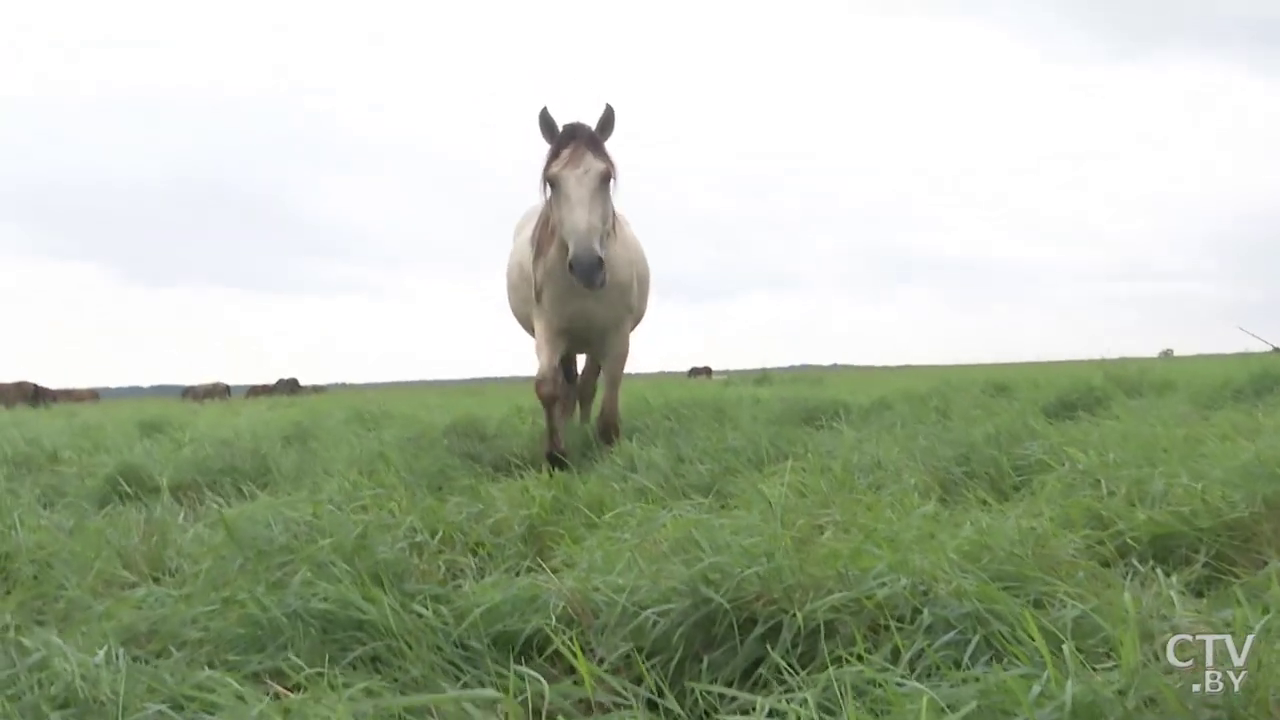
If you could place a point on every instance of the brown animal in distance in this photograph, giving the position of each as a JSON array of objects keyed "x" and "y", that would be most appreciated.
[
  {"x": 699, "y": 371},
  {"x": 26, "y": 393},
  {"x": 207, "y": 391},
  {"x": 283, "y": 386},
  {"x": 78, "y": 395}
]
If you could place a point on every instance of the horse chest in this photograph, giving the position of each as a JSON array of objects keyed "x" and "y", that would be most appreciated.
[
  {"x": 589, "y": 317},
  {"x": 585, "y": 319}
]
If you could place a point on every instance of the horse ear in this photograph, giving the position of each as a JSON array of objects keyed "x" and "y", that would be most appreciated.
[
  {"x": 547, "y": 124},
  {"x": 604, "y": 126}
]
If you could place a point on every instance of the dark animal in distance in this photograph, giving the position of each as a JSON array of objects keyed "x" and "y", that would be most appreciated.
[
  {"x": 77, "y": 395},
  {"x": 26, "y": 393},
  {"x": 699, "y": 371},
  {"x": 283, "y": 386},
  {"x": 254, "y": 391},
  {"x": 207, "y": 391}
]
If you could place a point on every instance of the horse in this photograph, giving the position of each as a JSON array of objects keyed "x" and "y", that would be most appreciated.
[
  {"x": 699, "y": 371},
  {"x": 24, "y": 392},
  {"x": 78, "y": 395},
  {"x": 286, "y": 386},
  {"x": 577, "y": 281},
  {"x": 208, "y": 391},
  {"x": 254, "y": 391},
  {"x": 283, "y": 386}
]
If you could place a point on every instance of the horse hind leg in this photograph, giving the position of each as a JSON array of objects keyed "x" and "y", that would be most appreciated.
[{"x": 587, "y": 388}]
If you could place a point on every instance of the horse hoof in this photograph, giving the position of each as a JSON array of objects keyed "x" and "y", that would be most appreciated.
[
  {"x": 557, "y": 461},
  {"x": 607, "y": 433}
]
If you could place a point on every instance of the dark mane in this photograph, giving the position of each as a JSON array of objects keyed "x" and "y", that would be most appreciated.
[{"x": 578, "y": 137}]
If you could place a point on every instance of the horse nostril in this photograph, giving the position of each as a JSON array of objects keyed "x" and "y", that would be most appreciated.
[
  {"x": 587, "y": 268},
  {"x": 590, "y": 266}
]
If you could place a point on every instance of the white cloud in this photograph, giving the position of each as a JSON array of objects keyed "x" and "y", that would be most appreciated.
[{"x": 815, "y": 185}]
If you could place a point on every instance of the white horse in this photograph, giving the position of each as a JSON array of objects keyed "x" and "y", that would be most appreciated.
[{"x": 577, "y": 280}]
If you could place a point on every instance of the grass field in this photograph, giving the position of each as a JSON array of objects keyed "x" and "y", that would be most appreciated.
[{"x": 998, "y": 542}]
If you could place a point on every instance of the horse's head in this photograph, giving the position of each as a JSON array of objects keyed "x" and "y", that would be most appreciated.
[{"x": 577, "y": 178}]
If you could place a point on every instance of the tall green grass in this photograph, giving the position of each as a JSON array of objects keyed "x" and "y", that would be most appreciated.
[{"x": 999, "y": 542}]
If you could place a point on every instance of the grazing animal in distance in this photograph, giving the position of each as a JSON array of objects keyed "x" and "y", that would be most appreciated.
[
  {"x": 699, "y": 371},
  {"x": 207, "y": 391},
  {"x": 286, "y": 386},
  {"x": 283, "y": 386},
  {"x": 577, "y": 280},
  {"x": 26, "y": 393},
  {"x": 254, "y": 391},
  {"x": 77, "y": 395}
]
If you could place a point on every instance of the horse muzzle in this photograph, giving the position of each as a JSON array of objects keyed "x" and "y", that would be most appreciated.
[{"x": 588, "y": 269}]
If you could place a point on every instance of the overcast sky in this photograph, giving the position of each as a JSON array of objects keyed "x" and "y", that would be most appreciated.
[{"x": 285, "y": 188}]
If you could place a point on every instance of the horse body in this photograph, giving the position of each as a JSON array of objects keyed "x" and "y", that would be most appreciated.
[
  {"x": 577, "y": 280},
  {"x": 24, "y": 392},
  {"x": 283, "y": 386},
  {"x": 698, "y": 371},
  {"x": 78, "y": 395},
  {"x": 208, "y": 391}
]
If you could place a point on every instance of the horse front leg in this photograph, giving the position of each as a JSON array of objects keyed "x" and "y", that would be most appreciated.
[
  {"x": 587, "y": 388},
  {"x": 568, "y": 401},
  {"x": 608, "y": 427},
  {"x": 550, "y": 386}
]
